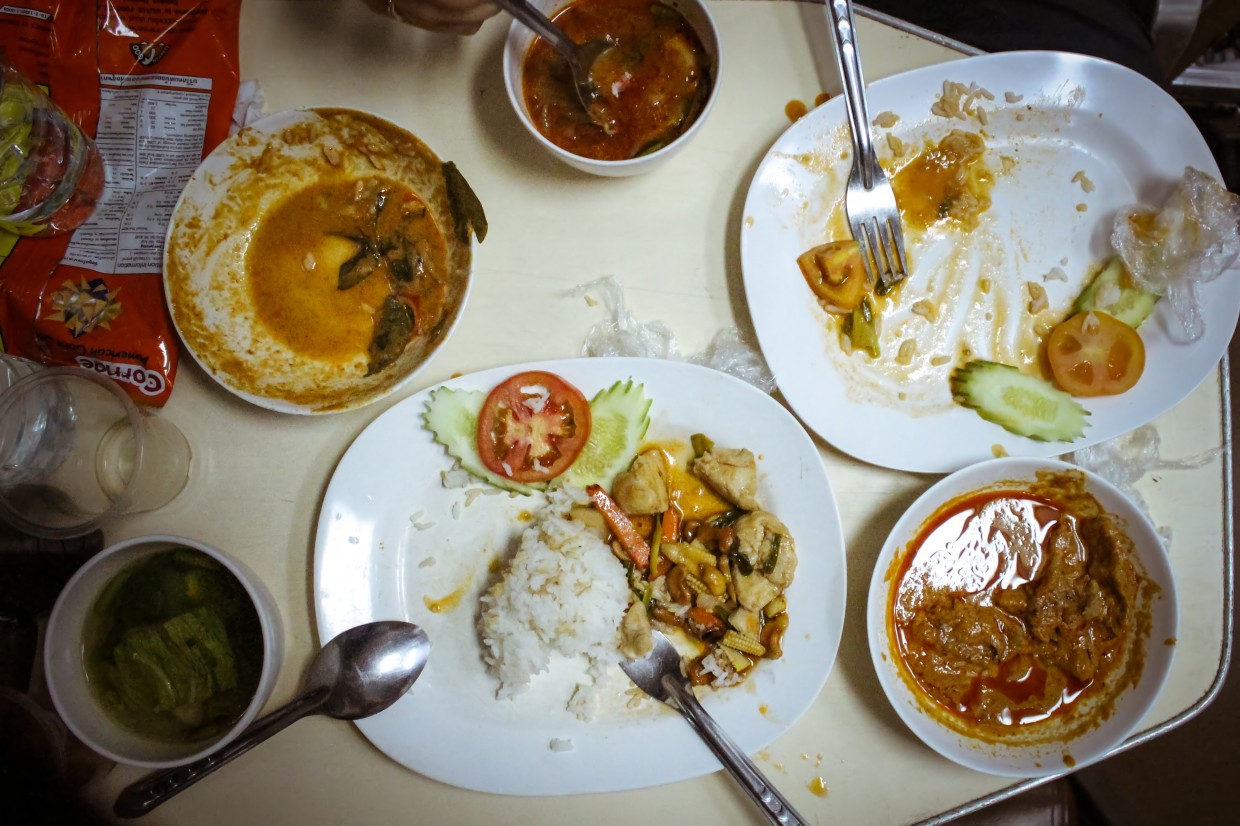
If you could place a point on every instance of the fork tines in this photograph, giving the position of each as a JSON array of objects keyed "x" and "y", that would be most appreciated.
[{"x": 882, "y": 250}]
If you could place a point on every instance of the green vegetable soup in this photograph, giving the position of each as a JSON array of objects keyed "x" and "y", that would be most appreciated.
[{"x": 173, "y": 647}]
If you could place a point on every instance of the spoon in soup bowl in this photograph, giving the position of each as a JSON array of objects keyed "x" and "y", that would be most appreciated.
[
  {"x": 580, "y": 57},
  {"x": 360, "y": 672}
]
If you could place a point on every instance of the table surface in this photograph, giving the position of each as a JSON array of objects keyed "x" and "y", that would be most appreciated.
[{"x": 672, "y": 239}]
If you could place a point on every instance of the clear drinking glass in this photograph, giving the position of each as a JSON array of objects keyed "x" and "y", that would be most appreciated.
[
  {"x": 75, "y": 451},
  {"x": 51, "y": 174}
]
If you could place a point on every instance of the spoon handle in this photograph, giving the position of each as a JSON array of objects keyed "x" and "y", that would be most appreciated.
[
  {"x": 141, "y": 797},
  {"x": 773, "y": 804},
  {"x": 524, "y": 11}
]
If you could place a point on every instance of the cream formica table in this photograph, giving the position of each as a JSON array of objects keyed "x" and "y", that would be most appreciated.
[{"x": 672, "y": 239}]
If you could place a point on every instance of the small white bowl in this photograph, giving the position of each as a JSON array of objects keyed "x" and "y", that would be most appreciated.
[
  {"x": 66, "y": 676},
  {"x": 1033, "y": 756},
  {"x": 517, "y": 47}
]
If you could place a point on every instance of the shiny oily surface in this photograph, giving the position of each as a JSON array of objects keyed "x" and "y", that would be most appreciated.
[
  {"x": 315, "y": 260},
  {"x": 315, "y": 277},
  {"x": 946, "y": 181},
  {"x": 653, "y": 82},
  {"x": 975, "y": 614},
  {"x": 1018, "y": 584}
]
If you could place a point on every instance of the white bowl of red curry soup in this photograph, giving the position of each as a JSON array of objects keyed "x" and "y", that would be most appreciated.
[
  {"x": 669, "y": 49},
  {"x": 160, "y": 650},
  {"x": 1000, "y": 642}
]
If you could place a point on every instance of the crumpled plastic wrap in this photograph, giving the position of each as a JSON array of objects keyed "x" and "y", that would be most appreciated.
[
  {"x": 621, "y": 334},
  {"x": 1191, "y": 240},
  {"x": 1124, "y": 460},
  {"x": 249, "y": 106}
]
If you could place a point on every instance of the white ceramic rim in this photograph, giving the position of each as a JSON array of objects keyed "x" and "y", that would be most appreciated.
[
  {"x": 121, "y": 503},
  {"x": 56, "y": 644},
  {"x": 1021, "y": 760},
  {"x": 517, "y": 44}
]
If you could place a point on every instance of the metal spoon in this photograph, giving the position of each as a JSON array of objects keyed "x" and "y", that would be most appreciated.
[
  {"x": 360, "y": 672},
  {"x": 658, "y": 674},
  {"x": 580, "y": 57}
]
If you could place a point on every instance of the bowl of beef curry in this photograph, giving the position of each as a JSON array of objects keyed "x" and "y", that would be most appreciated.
[{"x": 1022, "y": 617}]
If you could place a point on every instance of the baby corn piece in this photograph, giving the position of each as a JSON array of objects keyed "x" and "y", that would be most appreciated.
[{"x": 743, "y": 642}]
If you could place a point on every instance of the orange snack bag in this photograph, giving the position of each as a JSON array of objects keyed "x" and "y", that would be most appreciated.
[{"x": 154, "y": 82}]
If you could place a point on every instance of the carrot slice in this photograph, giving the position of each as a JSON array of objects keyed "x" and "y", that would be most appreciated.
[
  {"x": 706, "y": 624},
  {"x": 621, "y": 526},
  {"x": 671, "y": 524}
]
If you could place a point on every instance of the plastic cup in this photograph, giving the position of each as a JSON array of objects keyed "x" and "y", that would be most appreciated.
[
  {"x": 51, "y": 174},
  {"x": 13, "y": 368},
  {"x": 76, "y": 451}
]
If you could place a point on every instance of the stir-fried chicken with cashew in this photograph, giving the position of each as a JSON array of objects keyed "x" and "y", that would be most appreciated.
[{"x": 702, "y": 556}]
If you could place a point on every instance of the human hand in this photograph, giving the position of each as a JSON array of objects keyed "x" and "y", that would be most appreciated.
[{"x": 449, "y": 16}]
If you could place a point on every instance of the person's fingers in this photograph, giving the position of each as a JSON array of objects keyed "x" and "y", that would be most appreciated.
[
  {"x": 447, "y": 16},
  {"x": 447, "y": 28}
]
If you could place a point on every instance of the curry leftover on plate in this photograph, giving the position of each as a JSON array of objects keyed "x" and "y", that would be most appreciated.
[{"x": 317, "y": 259}]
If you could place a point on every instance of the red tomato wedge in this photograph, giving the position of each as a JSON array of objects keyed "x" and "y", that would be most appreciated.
[
  {"x": 1095, "y": 354},
  {"x": 532, "y": 427}
]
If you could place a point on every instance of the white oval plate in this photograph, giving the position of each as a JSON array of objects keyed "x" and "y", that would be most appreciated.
[
  {"x": 386, "y": 513},
  {"x": 1076, "y": 113},
  {"x": 1026, "y": 759}
]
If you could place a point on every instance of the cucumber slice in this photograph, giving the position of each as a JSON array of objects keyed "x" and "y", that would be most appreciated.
[
  {"x": 1024, "y": 405},
  {"x": 619, "y": 418},
  {"x": 452, "y": 417},
  {"x": 1123, "y": 298}
]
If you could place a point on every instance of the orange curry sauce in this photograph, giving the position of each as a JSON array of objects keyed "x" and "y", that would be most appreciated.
[
  {"x": 653, "y": 82},
  {"x": 298, "y": 250},
  {"x": 976, "y": 554}
]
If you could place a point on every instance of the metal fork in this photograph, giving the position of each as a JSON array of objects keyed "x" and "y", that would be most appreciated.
[{"x": 870, "y": 202}]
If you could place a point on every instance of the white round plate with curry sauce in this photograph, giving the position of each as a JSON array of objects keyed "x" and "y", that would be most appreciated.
[
  {"x": 317, "y": 258},
  {"x": 1069, "y": 141},
  {"x": 394, "y": 543},
  {"x": 1098, "y": 718}
]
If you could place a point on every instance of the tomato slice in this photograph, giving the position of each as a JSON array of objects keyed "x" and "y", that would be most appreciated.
[
  {"x": 1095, "y": 354},
  {"x": 532, "y": 427},
  {"x": 836, "y": 274}
]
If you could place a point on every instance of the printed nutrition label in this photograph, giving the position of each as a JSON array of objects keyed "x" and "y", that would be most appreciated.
[{"x": 151, "y": 131}]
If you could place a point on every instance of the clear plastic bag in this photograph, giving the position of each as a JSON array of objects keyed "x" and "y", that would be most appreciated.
[
  {"x": 1124, "y": 460},
  {"x": 623, "y": 335},
  {"x": 1191, "y": 240}
]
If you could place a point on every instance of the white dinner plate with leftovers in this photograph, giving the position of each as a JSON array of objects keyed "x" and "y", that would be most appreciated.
[
  {"x": 408, "y": 532},
  {"x": 1010, "y": 170},
  {"x": 318, "y": 257}
]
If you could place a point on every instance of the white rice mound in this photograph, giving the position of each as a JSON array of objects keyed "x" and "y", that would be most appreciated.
[{"x": 563, "y": 592}]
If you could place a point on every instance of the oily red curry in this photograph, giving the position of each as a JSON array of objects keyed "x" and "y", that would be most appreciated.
[
  {"x": 1012, "y": 607},
  {"x": 652, "y": 83}
]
